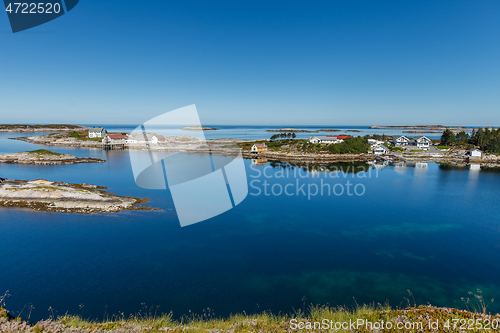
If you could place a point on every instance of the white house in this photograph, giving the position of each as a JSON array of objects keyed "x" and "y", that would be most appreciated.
[
  {"x": 422, "y": 142},
  {"x": 400, "y": 140},
  {"x": 155, "y": 139},
  {"x": 148, "y": 138},
  {"x": 476, "y": 153},
  {"x": 259, "y": 147},
  {"x": 97, "y": 132},
  {"x": 381, "y": 150},
  {"x": 374, "y": 143},
  {"x": 325, "y": 140}
]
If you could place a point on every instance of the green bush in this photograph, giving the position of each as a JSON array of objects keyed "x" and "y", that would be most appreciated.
[{"x": 357, "y": 145}]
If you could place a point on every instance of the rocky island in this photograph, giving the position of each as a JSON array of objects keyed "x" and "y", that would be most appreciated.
[
  {"x": 62, "y": 139},
  {"x": 199, "y": 128},
  {"x": 39, "y": 128},
  {"x": 43, "y": 195},
  {"x": 295, "y": 130},
  {"x": 427, "y": 128},
  {"x": 45, "y": 157}
]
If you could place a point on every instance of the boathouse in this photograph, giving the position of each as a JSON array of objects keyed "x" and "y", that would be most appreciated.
[{"x": 114, "y": 141}]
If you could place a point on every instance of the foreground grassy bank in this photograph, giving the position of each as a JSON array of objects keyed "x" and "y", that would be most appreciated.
[{"x": 317, "y": 318}]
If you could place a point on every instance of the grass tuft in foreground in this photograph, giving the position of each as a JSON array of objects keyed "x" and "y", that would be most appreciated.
[{"x": 366, "y": 318}]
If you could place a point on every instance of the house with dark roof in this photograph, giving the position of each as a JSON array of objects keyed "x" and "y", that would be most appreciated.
[
  {"x": 381, "y": 150},
  {"x": 422, "y": 142},
  {"x": 400, "y": 140},
  {"x": 155, "y": 139},
  {"x": 475, "y": 153}
]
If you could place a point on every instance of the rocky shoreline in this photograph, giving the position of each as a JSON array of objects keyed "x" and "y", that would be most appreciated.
[
  {"x": 320, "y": 159},
  {"x": 43, "y": 195},
  {"x": 45, "y": 157},
  {"x": 323, "y": 159},
  {"x": 63, "y": 142}
]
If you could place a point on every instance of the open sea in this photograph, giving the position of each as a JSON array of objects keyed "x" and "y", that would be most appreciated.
[{"x": 422, "y": 227}]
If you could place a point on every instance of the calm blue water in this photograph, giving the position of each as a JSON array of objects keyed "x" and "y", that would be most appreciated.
[
  {"x": 432, "y": 230},
  {"x": 260, "y": 132}
]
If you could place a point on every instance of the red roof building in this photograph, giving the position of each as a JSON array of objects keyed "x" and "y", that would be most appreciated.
[
  {"x": 339, "y": 137},
  {"x": 116, "y": 136}
]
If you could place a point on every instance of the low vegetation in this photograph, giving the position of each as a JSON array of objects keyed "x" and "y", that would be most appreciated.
[
  {"x": 83, "y": 136},
  {"x": 43, "y": 152},
  {"x": 358, "y": 145},
  {"x": 366, "y": 318}
]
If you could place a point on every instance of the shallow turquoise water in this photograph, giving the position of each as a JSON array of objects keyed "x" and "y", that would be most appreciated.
[{"x": 431, "y": 230}]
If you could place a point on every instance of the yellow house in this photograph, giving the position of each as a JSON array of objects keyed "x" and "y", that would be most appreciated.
[{"x": 259, "y": 147}]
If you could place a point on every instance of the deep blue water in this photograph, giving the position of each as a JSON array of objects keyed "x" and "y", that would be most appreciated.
[{"x": 432, "y": 230}]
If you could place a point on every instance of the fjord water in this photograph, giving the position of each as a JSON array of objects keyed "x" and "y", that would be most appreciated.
[{"x": 420, "y": 227}]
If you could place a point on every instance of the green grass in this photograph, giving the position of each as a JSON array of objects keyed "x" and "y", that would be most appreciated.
[
  {"x": 83, "y": 136},
  {"x": 268, "y": 322},
  {"x": 339, "y": 318},
  {"x": 443, "y": 147},
  {"x": 417, "y": 151},
  {"x": 43, "y": 152}
]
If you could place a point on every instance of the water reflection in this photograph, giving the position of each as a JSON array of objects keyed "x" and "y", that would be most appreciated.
[
  {"x": 400, "y": 167},
  {"x": 345, "y": 167},
  {"x": 259, "y": 161}
]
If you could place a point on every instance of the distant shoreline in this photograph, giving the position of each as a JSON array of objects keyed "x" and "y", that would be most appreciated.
[
  {"x": 432, "y": 128},
  {"x": 4, "y": 128}
]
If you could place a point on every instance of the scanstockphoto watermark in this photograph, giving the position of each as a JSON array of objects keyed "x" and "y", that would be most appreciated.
[
  {"x": 359, "y": 324},
  {"x": 311, "y": 181},
  {"x": 24, "y": 15},
  {"x": 455, "y": 324}
]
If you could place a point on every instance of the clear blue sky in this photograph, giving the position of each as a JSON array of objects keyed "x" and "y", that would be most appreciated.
[{"x": 257, "y": 62}]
